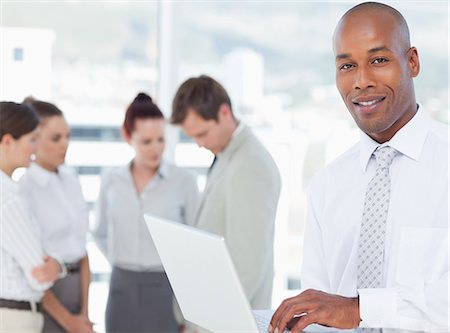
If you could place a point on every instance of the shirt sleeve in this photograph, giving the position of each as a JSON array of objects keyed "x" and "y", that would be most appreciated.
[
  {"x": 314, "y": 273},
  {"x": 251, "y": 205},
  {"x": 82, "y": 209},
  {"x": 20, "y": 240},
  {"x": 101, "y": 230},
  {"x": 423, "y": 305}
]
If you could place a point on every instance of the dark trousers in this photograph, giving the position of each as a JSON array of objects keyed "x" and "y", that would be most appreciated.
[{"x": 140, "y": 302}]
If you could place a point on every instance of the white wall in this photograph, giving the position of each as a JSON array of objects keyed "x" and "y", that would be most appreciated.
[{"x": 30, "y": 73}]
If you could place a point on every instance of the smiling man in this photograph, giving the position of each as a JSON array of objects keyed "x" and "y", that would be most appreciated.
[{"x": 376, "y": 239}]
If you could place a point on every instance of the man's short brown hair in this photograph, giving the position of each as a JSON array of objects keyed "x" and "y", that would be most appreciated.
[{"x": 202, "y": 94}]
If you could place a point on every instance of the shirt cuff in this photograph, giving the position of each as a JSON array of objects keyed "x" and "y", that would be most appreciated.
[
  {"x": 62, "y": 265},
  {"x": 376, "y": 306},
  {"x": 63, "y": 273}
]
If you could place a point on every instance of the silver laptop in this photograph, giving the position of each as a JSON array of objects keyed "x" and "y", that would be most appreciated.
[{"x": 204, "y": 279}]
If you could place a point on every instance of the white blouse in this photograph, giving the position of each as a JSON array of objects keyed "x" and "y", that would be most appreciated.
[
  {"x": 57, "y": 204},
  {"x": 121, "y": 232},
  {"x": 20, "y": 246}
]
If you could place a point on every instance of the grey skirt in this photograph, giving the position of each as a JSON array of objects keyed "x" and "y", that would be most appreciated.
[
  {"x": 68, "y": 291},
  {"x": 140, "y": 302}
]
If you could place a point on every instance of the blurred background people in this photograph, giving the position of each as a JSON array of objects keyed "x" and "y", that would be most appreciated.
[
  {"x": 140, "y": 296},
  {"x": 25, "y": 270},
  {"x": 56, "y": 201}
]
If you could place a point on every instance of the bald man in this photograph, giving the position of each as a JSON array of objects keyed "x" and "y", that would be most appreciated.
[{"x": 376, "y": 238}]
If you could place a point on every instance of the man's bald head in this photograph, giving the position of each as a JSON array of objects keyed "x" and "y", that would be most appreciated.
[
  {"x": 376, "y": 8},
  {"x": 375, "y": 67}
]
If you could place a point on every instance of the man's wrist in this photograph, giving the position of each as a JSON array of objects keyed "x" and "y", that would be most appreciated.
[{"x": 355, "y": 311}]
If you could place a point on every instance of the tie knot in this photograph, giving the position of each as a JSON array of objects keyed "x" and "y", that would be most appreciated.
[{"x": 384, "y": 156}]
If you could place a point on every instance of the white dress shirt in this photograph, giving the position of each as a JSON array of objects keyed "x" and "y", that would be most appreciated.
[
  {"x": 20, "y": 247},
  {"x": 121, "y": 232},
  {"x": 57, "y": 204},
  {"x": 416, "y": 263}
]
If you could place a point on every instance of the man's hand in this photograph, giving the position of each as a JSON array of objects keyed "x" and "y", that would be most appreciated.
[
  {"x": 47, "y": 272},
  {"x": 79, "y": 324},
  {"x": 315, "y": 307}
]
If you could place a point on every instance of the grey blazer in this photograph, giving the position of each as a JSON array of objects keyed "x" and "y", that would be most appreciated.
[{"x": 240, "y": 203}]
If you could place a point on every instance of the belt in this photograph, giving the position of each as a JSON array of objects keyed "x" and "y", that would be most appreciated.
[
  {"x": 73, "y": 267},
  {"x": 20, "y": 305}
]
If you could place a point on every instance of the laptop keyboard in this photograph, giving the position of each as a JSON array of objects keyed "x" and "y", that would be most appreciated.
[{"x": 263, "y": 323}]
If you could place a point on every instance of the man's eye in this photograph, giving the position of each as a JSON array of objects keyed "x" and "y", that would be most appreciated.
[
  {"x": 345, "y": 67},
  {"x": 379, "y": 60}
]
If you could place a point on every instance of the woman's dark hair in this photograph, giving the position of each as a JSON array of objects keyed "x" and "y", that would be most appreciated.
[
  {"x": 17, "y": 119},
  {"x": 142, "y": 107},
  {"x": 43, "y": 109}
]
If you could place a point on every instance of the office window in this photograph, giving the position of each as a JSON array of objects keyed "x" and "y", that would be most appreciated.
[
  {"x": 91, "y": 58},
  {"x": 18, "y": 54},
  {"x": 274, "y": 58}
]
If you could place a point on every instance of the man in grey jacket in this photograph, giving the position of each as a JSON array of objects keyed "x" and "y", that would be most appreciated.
[{"x": 241, "y": 195}]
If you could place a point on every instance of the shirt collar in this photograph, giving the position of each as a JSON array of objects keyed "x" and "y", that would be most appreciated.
[
  {"x": 7, "y": 183},
  {"x": 409, "y": 140},
  {"x": 240, "y": 127},
  {"x": 234, "y": 141},
  {"x": 40, "y": 175},
  {"x": 163, "y": 170}
]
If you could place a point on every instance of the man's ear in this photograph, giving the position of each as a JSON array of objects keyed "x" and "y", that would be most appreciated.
[
  {"x": 125, "y": 135},
  {"x": 225, "y": 111},
  {"x": 413, "y": 61}
]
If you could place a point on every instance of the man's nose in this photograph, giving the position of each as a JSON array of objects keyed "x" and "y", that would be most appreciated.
[
  {"x": 200, "y": 142},
  {"x": 364, "y": 78}
]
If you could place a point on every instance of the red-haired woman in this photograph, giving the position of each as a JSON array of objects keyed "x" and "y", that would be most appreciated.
[{"x": 140, "y": 296}]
